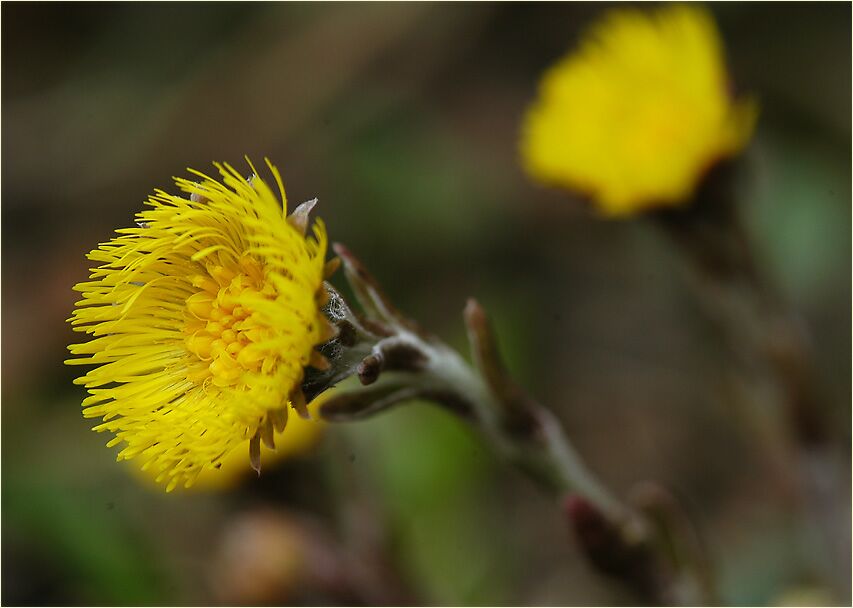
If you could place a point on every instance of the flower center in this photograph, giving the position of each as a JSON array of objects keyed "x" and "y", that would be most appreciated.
[{"x": 221, "y": 328}]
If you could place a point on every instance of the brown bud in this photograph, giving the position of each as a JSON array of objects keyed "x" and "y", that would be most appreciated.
[
  {"x": 606, "y": 545},
  {"x": 369, "y": 368}
]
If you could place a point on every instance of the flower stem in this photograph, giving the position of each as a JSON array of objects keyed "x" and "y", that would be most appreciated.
[
  {"x": 773, "y": 380},
  {"x": 541, "y": 449},
  {"x": 396, "y": 361}
]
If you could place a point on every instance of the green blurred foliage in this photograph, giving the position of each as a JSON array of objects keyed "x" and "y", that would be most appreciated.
[
  {"x": 433, "y": 477},
  {"x": 105, "y": 560}
]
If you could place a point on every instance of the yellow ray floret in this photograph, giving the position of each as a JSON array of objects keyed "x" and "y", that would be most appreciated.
[
  {"x": 201, "y": 321},
  {"x": 299, "y": 437},
  {"x": 637, "y": 114}
]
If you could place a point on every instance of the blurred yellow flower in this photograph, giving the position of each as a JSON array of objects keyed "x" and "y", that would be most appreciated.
[
  {"x": 636, "y": 115},
  {"x": 202, "y": 319}
]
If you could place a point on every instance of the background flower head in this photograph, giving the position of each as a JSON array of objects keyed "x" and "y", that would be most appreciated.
[
  {"x": 202, "y": 318},
  {"x": 637, "y": 113}
]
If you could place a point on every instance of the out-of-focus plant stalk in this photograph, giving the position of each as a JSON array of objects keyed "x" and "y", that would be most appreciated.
[
  {"x": 395, "y": 361},
  {"x": 773, "y": 381},
  {"x": 764, "y": 335}
]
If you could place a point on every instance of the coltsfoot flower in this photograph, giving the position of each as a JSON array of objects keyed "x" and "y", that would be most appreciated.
[
  {"x": 299, "y": 437},
  {"x": 201, "y": 320},
  {"x": 636, "y": 115}
]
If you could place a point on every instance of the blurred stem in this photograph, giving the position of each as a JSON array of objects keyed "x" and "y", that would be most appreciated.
[
  {"x": 773, "y": 369},
  {"x": 773, "y": 374},
  {"x": 531, "y": 437},
  {"x": 396, "y": 361},
  {"x": 768, "y": 340}
]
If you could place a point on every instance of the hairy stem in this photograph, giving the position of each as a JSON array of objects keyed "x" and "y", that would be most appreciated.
[
  {"x": 542, "y": 449},
  {"x": 396, "y": 361}
]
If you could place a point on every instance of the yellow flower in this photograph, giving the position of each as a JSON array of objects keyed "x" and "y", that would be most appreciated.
[
  {"x": 299, "y": 437},
  {"x": 202, "y": 319},
  {"x": 637, "y": 114}
]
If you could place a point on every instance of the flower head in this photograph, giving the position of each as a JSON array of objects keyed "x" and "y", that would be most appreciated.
[
  {"x": 201, "y": 320},
  {"x": 637, "y": 114},
  {"x": 299, "y": 437}
]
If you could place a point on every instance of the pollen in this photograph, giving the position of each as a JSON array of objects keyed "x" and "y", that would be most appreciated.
[{"x": 221, "y": 330}]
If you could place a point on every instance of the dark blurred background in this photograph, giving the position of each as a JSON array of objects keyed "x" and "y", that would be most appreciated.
[{"x": 403, "y": 119}]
